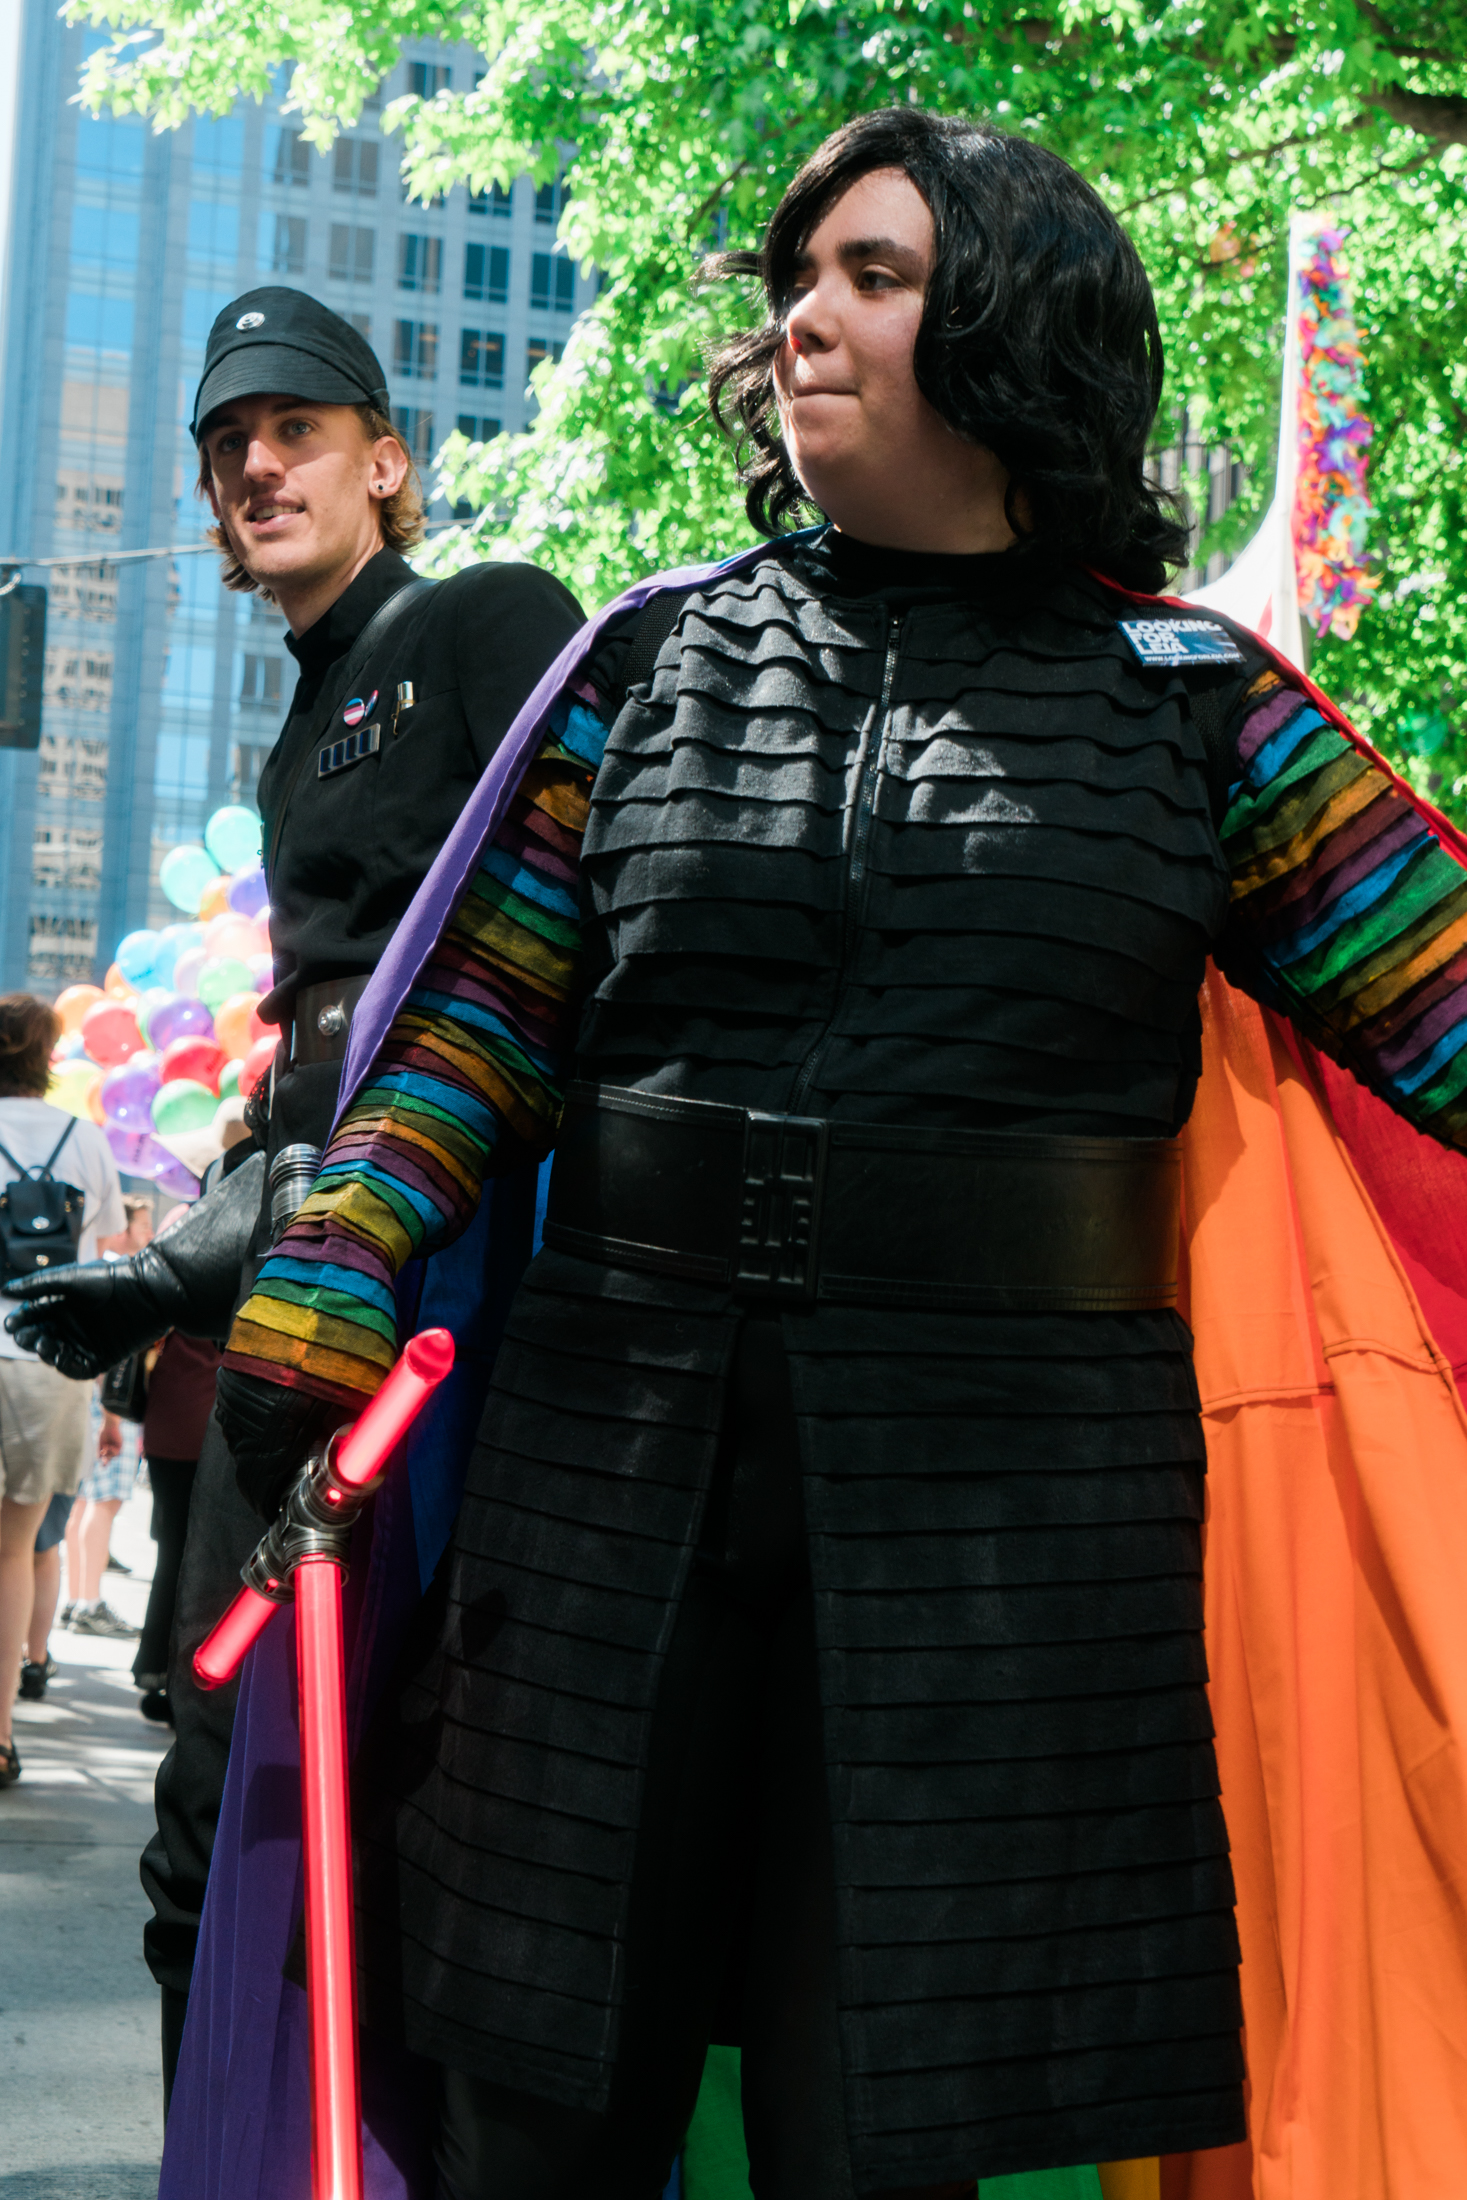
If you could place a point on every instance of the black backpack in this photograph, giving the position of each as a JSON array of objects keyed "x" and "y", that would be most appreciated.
[{"x": 40, "y": 1217}]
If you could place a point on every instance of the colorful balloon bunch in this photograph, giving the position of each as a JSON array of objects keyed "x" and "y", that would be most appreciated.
[
  {"x": 164, "y": 1053},
  {"x": 1332, "y": 510}
]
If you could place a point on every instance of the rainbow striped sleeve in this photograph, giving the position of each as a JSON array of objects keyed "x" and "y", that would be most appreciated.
[
  {"x": 1347, "y": 913},
  {"x": 469, "y": 1077}
]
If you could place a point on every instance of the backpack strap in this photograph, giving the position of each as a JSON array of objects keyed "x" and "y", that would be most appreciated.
[
  {"x": 48, "y": 1166},
  {"x": 655, "y": 622},
  {"x": 36, "y": 1172}
]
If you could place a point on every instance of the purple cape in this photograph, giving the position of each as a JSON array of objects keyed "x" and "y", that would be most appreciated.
[{"x": 239, "y": 2123}]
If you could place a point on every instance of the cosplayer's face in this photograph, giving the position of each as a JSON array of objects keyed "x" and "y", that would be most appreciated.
[
  {"x": 863, "y": 439},
  {"x": 298, "y": 488}
]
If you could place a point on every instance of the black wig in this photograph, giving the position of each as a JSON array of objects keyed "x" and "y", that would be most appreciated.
[{"x": 1038, "y": 338}]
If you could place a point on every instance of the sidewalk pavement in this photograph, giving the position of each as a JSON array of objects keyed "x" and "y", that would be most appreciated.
[{"x": 81, "y": 2106}]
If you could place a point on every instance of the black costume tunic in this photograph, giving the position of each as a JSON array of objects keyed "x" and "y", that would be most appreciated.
[{"x": 802, "y": 892}]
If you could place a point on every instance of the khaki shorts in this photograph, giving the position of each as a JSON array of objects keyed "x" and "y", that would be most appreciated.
[{"x": 45, "y": 1432}]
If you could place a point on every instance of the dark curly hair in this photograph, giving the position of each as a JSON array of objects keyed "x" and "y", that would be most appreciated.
[{"x": 1038, "y": 338}]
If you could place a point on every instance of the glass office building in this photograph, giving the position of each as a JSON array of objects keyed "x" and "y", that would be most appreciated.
[{"x": 163, "y": 693}]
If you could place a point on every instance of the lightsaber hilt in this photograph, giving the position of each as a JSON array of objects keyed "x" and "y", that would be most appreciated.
[
  {"x": 323, "y": 1504},
  {"x": 315, "y": 1521}
]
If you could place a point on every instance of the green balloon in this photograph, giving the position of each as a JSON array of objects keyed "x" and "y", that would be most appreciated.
[
  {"x": 232, "y": 837},
  {"x": 221, "y": 976},
  {"x": 183, "y": 1105},
  {"x": 229, "y": 1080}
]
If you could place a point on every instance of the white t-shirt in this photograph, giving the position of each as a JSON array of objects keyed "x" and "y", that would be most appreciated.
[{"x": 30, "y": 1128}]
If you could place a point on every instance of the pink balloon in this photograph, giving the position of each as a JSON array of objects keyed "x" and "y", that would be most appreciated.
[
  {"x": 186, "y": 969},
  {"x": 233, "y": 936}
]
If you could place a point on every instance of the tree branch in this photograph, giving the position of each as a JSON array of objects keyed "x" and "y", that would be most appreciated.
[{"x": 1439, "y": 115}]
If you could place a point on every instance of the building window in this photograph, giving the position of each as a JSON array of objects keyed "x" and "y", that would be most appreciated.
[
  {"x": 496, "y": 200},
  {"x": 249, "y": 762},
  {"x": 362, "y": 323},
  {"x": 353, "y": 253},
  {"x": 416, "y": 352},
  {"x": 414, "y": 423},
  {"x": 260, "y": 681},
  {"x": 478, "y": 427},
  {"x": 552, "y": 283},
  {"x": 292, "y": 158},
  {"x": 288, "y": 245},
  {"x": 427, "y": 78},
  {"x": 549, "y": 200},
  {"x": 481, "y": 359},
  {"x": 539, "y": 349},
  {"x": 354, "y": 171},
  {"x": 420, "y": 264},
  {"x": 486, "y": 272}
]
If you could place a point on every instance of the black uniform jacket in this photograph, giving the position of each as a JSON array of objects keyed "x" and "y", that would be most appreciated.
[
  {"x": 349, "y": 847},
  {"x": 355, "y": 842}
]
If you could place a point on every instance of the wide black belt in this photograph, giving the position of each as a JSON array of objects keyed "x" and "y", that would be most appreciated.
[
  {"x": 795, "y": 1208},
  {"x": 321, "y": 1018}
]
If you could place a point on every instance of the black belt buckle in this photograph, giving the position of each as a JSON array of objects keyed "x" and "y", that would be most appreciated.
[{"x": 779, "y": 1206}]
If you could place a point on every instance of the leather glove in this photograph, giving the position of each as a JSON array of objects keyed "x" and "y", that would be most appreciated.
[
  {"x": 84, "y": 1319},
  {"x": 271, "y": 1431}
]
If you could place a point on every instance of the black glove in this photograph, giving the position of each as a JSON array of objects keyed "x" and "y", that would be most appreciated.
[
  {"x": 84, "y": 1319},
  {"x": 271, "y": 1432}
]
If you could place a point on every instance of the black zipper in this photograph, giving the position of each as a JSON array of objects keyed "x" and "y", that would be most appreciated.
[{"x": 857, "y": 876}]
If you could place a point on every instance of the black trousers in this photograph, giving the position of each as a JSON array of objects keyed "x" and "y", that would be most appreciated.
[
  {"x": 172, "y": 1483},
  {"x": 732, "y": 1932},
  {"x": 222, "y": 1532}
]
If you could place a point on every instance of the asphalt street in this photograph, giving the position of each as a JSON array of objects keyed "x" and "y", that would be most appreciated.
[{"x": 80, "y": 2102}]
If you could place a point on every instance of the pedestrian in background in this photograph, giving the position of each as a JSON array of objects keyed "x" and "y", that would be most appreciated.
[
  {"x": 111, "y": 1481},
  {"x": 51, "y": 1166},
  {"x": 37, "y": 1666},
  {"x": 104, "y": 1491}
]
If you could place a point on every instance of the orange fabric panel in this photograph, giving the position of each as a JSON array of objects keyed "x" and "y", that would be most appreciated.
[
  {"x": 1336, "y": 1589},
  {"x": 1135, "y": 2180}
]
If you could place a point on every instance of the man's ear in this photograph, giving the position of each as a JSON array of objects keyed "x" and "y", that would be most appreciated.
[{"x": 389, "y": 467}]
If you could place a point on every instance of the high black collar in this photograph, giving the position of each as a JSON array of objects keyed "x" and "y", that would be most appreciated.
[
  {"x": 839, "y": 565},
  {"x": 335, "y": 631}
]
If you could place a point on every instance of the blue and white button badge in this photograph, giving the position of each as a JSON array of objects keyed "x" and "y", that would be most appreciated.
[
  {"x": 1181, "y": 642},
  {"x": 357, "y": 709}
]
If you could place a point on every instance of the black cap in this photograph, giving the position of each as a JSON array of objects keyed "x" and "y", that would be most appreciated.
[{"x": 286, "y": 341}]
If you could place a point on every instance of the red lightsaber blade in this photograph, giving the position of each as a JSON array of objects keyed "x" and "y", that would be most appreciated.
[
  {"x": 305, "y": 1553},
  {"x": 336, "y": 2106}
]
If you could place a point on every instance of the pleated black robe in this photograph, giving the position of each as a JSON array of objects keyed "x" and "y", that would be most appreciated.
[{"x": 902, "y": 841}]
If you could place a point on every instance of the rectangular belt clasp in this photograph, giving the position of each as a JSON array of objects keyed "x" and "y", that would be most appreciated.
[{"x": 779, "y": 1208}]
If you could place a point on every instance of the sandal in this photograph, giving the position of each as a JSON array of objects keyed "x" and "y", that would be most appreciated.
[{"x": 9, "y": 1764}]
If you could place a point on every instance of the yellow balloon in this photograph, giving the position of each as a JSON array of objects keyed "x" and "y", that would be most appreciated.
[{"x": 71, "y": 1087}]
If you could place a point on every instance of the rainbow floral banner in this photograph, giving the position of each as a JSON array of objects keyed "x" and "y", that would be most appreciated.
[{"x": 1332, "y": 509}]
